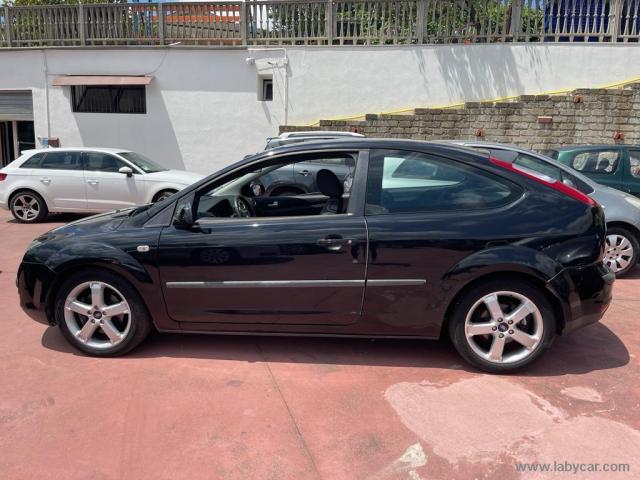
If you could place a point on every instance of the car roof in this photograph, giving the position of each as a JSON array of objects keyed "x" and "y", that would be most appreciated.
[
  {"x": 364, "y": 143},
  {"x": 77, "y": 149},
  {"x": 590, "y": 147},
  {"x": 317, "y": 133}
]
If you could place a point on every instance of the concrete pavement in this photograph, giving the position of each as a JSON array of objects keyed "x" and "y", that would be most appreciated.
[{"x": 222, "y": 407}]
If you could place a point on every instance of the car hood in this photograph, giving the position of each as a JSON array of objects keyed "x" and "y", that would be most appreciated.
[{"x": 179, "y": 177}]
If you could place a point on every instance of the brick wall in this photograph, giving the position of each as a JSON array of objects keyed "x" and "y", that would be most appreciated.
[{"x": 538, "y": 122}]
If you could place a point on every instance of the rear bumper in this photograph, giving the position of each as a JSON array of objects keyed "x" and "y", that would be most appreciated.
[
  {"x": 34, "y": 281},
  {"x": 585, "y": 294}
]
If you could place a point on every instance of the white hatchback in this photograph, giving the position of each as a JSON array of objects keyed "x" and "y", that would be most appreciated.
[{"x": 84, "y": 180}]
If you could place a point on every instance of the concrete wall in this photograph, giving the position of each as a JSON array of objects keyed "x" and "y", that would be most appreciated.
[{"x": 203, "y": 110}]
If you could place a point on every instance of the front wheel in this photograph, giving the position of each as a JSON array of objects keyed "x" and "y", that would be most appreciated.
[
  {"x": 101, "y": 314},
  {"x": 502, "y": 326},
  {"x": 163, "y": 195},
  {"x": 621, "y": 250}
]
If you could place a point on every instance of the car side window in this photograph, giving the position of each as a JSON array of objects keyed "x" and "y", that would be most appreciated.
[
  {"x": 634, "y": 163},
  {"x": 602, "y": 161},
  {"x": 299, "y": 178},
  {"x": 34, "y": 161},
  {"x": 102, "y": 162},
  {"x": 61, "y": 161},
  {"x": 412, "y": 182},
  {"x": 538, "y": 165}
]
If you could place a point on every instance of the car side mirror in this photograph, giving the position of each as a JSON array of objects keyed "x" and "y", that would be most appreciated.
[
  {"x": 258, "y": 189},
  {"x": 183, "y": 217},
  {"x": 126, "y": 170}
]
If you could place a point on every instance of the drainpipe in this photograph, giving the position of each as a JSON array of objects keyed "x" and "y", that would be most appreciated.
[{"x": 45, "y": 70}]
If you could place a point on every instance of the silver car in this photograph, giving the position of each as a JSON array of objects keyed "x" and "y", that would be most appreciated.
[{"x": 622, "y": 211}]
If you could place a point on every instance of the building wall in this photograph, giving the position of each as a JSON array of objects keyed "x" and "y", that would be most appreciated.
[{"x": 203, "y": 110}]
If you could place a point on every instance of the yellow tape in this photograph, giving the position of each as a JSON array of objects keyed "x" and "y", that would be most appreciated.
[{"x": 492, "y": 100}]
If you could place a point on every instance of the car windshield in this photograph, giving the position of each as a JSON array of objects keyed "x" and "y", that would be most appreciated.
[{"x": 145, "y": 164}]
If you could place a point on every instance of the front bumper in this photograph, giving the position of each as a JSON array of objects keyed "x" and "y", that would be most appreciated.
[
  {"x": 34, "y": 283},
  {"x": 585, "y": 294}
]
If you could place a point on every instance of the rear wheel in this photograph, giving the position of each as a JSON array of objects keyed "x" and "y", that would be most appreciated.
[
  {"x": 621, "y": 250},
  {"x": 101, "y": 314},
  {"x": 502, "y": 326},
  {"x": 28, "y": 207}
]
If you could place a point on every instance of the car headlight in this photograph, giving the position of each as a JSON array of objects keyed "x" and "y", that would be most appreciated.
[{"x": 635, "y": 201}]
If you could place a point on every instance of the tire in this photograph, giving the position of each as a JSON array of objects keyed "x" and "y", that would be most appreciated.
[
  {"x": 621, "y": 250},
  {"x": 471, "y": 325},
  {"x": 131, "y": 326},
  {"x": 163, "y": 195},
  {"x": 28, "y": 207}
]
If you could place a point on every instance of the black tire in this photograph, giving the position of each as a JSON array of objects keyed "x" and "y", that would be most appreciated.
[
  {"x": 38, "y": 209},
  {"x": 139, "y": 318},
  {"x": 163, "y": 195},
  {"x": 473, "y": 295},
  {"x": 635, "y": 245}
]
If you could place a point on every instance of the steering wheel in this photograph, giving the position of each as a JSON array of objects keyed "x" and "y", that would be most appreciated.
[{"x": 243, "y": 208}]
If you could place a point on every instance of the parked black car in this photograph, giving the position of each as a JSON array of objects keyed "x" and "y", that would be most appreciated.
[{"x": 431, "y": 240}]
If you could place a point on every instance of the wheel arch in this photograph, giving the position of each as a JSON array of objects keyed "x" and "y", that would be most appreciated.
[
  {"x": 627, "y": 226},
  {"x": 506, "y": 275},
  {"x": 24, "y": 188},
  {"x": 154, "y": 197},
  {"x": 63, "y": 272}
]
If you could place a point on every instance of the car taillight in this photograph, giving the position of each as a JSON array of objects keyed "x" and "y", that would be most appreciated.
[
  {"x": 3, "y": 176},
  {"x": 549, "y": 182}
]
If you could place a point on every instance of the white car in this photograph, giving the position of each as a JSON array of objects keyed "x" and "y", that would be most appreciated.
[{"x": 84, "y": 180}]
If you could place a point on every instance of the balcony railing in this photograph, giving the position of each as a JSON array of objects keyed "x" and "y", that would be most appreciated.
[{"x": 321, "y": 22}]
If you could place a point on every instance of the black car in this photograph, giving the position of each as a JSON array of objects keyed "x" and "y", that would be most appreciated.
[{"x": 430, "y": 240}]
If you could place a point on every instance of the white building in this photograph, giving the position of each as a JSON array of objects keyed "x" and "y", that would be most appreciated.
[{"x": 203, "y": 107}]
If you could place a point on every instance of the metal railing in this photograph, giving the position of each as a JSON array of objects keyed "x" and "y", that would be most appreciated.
[{"x": 321, "y": 22}]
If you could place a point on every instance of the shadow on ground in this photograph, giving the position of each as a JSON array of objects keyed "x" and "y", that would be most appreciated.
[{"x": 593, "y": 348}]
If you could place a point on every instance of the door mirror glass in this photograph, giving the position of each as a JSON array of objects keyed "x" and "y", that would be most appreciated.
[
  {"x": 126, "y": 170},
  {"x": 257, "y": 189},
  {"x": 184, "y": 216}
]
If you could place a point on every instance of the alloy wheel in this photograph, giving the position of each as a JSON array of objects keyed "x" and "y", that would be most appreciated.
[
  {"x": 26, "y": 207},
  {"x": 504, "y": 327},
  {"x": 618, "y": 252},
  {"x": 97, "y": 315},
  {"x": 164, "y": 196}
]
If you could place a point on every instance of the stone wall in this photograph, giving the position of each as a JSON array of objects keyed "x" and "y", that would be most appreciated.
[{"x": 538, "y": 122}]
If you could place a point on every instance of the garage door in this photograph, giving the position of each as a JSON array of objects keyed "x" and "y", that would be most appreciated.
[{"x": 16, "y": 106}]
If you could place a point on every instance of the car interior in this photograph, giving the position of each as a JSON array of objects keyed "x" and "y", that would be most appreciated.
[{"x": 244, "y": 196}]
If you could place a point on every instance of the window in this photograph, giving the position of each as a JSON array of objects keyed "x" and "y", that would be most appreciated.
[
  {"x": 411, "y": 182},
  {"x": 109, "y": 99},
  {"x": 54, "y": 161},
  {"x": 267, "y": 90},
  {"x": 145, "y": 164},
  {"x": 102, "y": 162},
  {"x": 253, "y": 191},
  {"x": 603, "y": 161},
  {"x": 539, "y": 166},
  {"x": 634, "y": 163},
  {"x": 34, "y": 161}
]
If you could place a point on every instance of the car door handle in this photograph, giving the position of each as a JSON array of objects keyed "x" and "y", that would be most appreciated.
[
  {"x": 45, "y": 180},
  {"x": 304, "y": 173},
  {"x": 92, "y": 182},
  {"x": 334, "y": 243},
  {"x": 272, "y": 204}
]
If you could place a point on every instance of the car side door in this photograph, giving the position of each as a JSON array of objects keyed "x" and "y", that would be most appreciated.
[
  {"x": 632, "y": 171},
  {"x": 107, "y": 188},
  {"x": 262, "y": 272},
  {"x": 58, "y": 176}
]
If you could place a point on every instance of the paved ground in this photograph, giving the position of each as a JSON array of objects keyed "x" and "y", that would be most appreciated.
[{"x": 207, "y": 407}]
